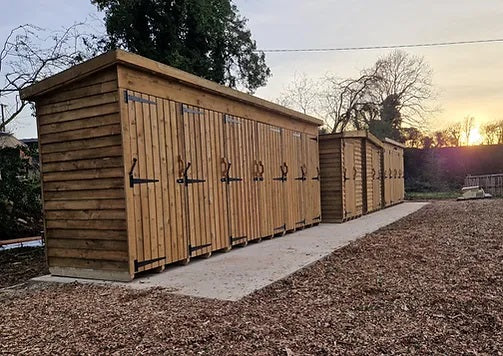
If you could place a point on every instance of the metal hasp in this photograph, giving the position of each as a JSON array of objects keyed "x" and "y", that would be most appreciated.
[
  {"x": 303, "y": 175},
  {"x": 137, "y": 264},
  {"x": 259, "y": 168},
  {"x": 284, "y": 173},
  {"x": 186, "y": 180},
  {"x": 226, "y": 178},
  {"x": 133, "y": 180}
]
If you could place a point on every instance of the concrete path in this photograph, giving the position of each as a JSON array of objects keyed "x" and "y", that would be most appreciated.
[{"x": 233, "y": 275}]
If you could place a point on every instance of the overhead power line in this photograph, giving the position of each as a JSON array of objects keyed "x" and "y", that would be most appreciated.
[{"x": 363, "y": 48}]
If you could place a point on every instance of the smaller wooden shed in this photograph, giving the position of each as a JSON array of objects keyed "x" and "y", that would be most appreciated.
[
  {"x": 393, "y": 173},
  {"x": 350, "y": 171}
]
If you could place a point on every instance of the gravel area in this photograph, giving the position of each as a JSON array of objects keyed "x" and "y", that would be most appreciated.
[{"x": 429, "y": 283}]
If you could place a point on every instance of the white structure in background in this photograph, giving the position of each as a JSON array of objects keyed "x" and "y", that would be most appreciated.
[{"x": 473, "y": 192}]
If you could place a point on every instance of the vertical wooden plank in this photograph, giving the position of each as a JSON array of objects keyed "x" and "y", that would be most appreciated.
[
  {"x": 167, "y": 178},
  {"x": 178, "y": 137},
  {"x": 156, "y": 188},
  {"x": 149, "y": 173},
  {"x": 128, "y": 128},
  {"x": 141, "y": 169}
]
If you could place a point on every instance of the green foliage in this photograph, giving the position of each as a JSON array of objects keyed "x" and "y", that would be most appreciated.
[
  {"x": 205, "y": 37},
  {"x": 20, "y": 197}
]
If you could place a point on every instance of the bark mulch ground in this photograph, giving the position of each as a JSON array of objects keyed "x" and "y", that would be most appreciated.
[
  {"x": 21, "y": 264},
  {"x": 430, "y": 283}
]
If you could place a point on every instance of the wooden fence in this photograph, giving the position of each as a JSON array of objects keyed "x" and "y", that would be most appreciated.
[{"x": 491, "y": 183}]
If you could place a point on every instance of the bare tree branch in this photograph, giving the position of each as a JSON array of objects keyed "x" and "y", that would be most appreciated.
[{"x": 30, "y": 54}]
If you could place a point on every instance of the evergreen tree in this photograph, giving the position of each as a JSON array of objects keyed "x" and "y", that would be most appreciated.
[{"x": 208, "y": 38}]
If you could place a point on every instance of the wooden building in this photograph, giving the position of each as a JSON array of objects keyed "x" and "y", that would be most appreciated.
[
  {"x": 350, "y": 164},
  {"x": 393, "y": 173},
  {"x": 144, "y": 165}
]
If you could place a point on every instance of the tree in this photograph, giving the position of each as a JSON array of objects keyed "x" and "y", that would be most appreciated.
[
  {"x": 454, "y": 135},
  {"x": 403, "y": 89},
  {"x": 342, "y": 102},
  {"x": 20, "y": 200},
  {"x": 301, "y": 94},
  {"x": 208, "y": 38},
  {"x": 440, "y": 138},
  {"x": 31, "y": 53},
  {"x": 493, "y": 132},
  {"x": 467, "y": 126},
  {"x": 412, "y": 137}
]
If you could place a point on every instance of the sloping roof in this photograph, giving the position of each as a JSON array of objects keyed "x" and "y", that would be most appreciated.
[
  {"x": 394, "y": 143},
  {"x": 9, "y": 141},
  {"x": 144, "y": 64},
  {"x": 354, "y": 134}
]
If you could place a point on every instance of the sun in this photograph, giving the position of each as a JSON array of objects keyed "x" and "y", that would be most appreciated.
[{"x": 475, "y": 137}]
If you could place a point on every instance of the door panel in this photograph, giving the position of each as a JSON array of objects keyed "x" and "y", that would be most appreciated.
[
  {"x": 313, "y": 197},
  {"x": 349, "y": 179},
  {"x": 376, "y": 179},
  {"x": 155, "y": 201},
  {"x": 296, "y": 177},
  {"x": 270, "y": 190},
  {"x": 202, "y": 166},
  {"x": 239, "y": 167}
]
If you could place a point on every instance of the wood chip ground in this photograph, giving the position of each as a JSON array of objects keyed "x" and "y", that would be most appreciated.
[{"x": 429, "y": 283}]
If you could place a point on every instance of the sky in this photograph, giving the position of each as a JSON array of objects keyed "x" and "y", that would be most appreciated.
[{"x": 468, "y": 78}]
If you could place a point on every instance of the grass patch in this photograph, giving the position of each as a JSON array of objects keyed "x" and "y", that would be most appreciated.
[{"x": 431, "y": 195}]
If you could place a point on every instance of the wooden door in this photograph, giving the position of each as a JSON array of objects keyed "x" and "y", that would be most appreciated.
[
  {"x": 270, "y": 153},
  {"x": 296, "y": 176},
  {"x": 349, "y": 175},
  {"x": 387, "y": 176},
  {"x": 239, "y": 170},
  {"x": 155, "y": 201},
  {"x": 262, "y": 180},
  {"x": 376, "y": 179},
  {"x": 200, "y": 173},
  {"x": 313, "y": 196}
]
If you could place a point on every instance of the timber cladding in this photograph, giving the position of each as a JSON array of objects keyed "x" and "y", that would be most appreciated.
[
  {"x": 144, "y": 165},
  {"x": 354, "y": 178}
]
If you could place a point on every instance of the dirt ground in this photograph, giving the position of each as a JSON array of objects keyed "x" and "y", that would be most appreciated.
[
  {"x": 20, "y": 264},
  {"x": 429, "y": 283}
]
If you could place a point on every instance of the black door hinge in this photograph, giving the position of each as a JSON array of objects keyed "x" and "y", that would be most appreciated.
[
  {"x": 137, "y": 264},
  {"x": 300, "y": 178},
  {"x": 281, "y": 228},
  {"x": 133, "y": 180},
  {"x": 302, "y": 222},
  {"x": 195, "y": 248},
  {"x": 230, "y": 179},
  {"x": 317, "y": 217},
  {"x": 234, "y": 239},
  {"x": 258, "y": 179},
  {"x": 282, "y": 178},
  {"x": 188, "y": 181},
  {"x": 128, "y": 97},
  {"x": 314, "y": 138}
]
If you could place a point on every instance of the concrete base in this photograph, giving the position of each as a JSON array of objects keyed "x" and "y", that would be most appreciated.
[
  {"x": 90, "y": 273},
  {"x": 231, "y": 276}
]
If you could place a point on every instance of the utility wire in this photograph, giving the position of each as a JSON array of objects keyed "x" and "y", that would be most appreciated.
[{"x": 416, "y": 45}]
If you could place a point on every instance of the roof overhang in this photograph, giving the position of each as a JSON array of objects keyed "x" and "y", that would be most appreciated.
[
  {"x": 354, "y": 134},
  {"x": 119, "y": 57}
]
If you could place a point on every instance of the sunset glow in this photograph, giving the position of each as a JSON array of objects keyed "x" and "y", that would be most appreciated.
[{"x": 475, "y": 137}]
